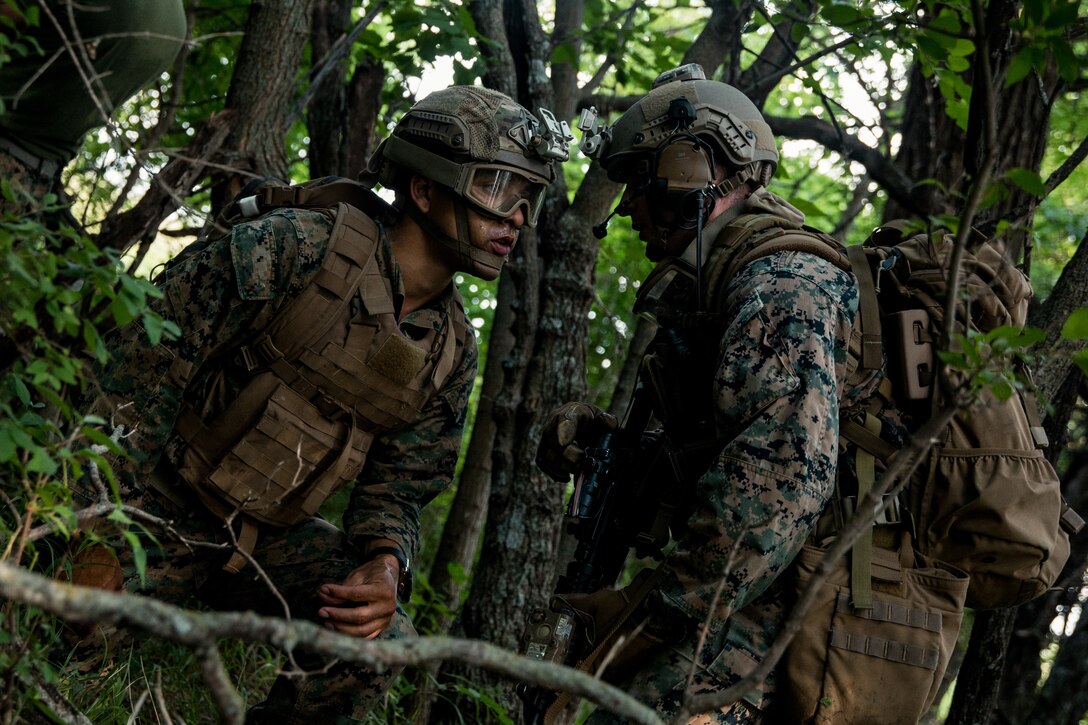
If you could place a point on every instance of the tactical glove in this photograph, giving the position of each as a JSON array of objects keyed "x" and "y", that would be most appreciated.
[
  {"x": 617, "y": 639},
  {"x": 569, "y": 429}
]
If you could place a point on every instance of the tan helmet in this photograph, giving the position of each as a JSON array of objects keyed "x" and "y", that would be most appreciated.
[
  {"x": 723, "y": 116},
  {"x": 491, "y": 151},
  {"x": 670, "y": 141},
  {"x": 455, "y": 135}
]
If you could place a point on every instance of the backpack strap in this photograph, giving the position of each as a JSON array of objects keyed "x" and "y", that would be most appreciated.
[
  {"x": 872, "y": 345},
  {"x": 326, "y": 192},
  {"x": 752, "y": 236},
  {"x": 861, "y": 555}
]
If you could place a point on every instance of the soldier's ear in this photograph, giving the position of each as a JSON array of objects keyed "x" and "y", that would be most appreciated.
[{"x": 421, "y": 190}]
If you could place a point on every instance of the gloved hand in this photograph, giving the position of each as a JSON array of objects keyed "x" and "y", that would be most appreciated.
[
  {"x": 619, "y": 645},
  {"x": 569, "y": 429}
]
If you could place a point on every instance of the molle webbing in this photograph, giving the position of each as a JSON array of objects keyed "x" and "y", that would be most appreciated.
[
  {"x": 331, "y": 371},
  {"x": 352, "y": 242}
]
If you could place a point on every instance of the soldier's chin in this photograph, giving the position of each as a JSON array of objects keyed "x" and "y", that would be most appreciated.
[
  {"x": 665, "y": 243},
  {"x": 655, "y": 251}
]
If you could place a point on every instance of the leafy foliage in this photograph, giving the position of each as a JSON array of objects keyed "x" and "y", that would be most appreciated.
[{"x": 61, "y": 294}]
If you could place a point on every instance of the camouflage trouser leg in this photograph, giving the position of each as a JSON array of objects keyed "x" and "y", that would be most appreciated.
[
  {"x": 661, "y": 683},
  {"x": 297, "y": 560}
]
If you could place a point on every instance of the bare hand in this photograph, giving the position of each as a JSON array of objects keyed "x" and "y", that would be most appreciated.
[{"x": 363, "y": 604}]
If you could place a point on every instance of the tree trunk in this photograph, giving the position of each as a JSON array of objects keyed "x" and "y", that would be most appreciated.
[
  {"x": 549, "y": 288},
  {"x": 975, "y": 705},
  {"x": 1064, "y": 699},
  {"x": 263, "y": 87},
  {"x": 342, "y": 115}
]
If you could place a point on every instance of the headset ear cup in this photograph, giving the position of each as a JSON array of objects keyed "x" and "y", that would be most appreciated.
[{"x": 688, "y": 207}]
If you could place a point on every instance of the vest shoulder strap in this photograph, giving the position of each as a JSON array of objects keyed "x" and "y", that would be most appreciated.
[
  {"x": 456, "y": 331},
  {"x": 352, "y": 244},
  {"x": 753, "y": 236}
]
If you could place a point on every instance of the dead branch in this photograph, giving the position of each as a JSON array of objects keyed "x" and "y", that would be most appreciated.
[{"x": 200, "y": 630}]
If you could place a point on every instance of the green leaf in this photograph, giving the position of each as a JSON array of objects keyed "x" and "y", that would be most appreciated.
[
  {"x": 947, "y": 22},
  {"x": 1027, "y": 180},
  {"x": 1019, "y": 67},
  {"x": 565, "y": 53},
  {"x": 7, "y": 445},
  {"x": 953, "y": 359},
  {"x": 961, "y": 48},
  {"x": 841, "y": 14},
  {"x": 957, "y": 64},
  {"x": 1035, "y": 10},
  {"x": 1080, "y": 359},
  {"x": 1066, "y": 60},
  {"x": 1076, "y": 327},
  {"x": 41, "y": 461},
  {"x": 21, "y": 390},
  {"x": 1002, "y": 390},
  {"x": 1031, "y": 336},
  {"x": 1061, "y": 16},
  {"x": 139, "y": 554},
  {"x": 806, "y": 207}
]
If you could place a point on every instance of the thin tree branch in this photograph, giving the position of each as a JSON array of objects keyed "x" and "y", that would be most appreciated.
[
  {"x": 217, "y": 679},
  {"x": 880, "y": 168},
  {"x": 1068, "y": 166},
  {"x": 331, "y": 60}
]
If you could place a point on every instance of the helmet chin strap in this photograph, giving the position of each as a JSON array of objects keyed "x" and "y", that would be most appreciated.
[
  {"x": 466, "y": 253},
  {"x": 726, "y": 186}
]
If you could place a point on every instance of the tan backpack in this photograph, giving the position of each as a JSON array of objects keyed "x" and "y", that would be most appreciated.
[{"x": 984, "y": 511}]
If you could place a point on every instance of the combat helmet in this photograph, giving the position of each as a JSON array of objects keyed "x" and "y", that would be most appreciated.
[
  {"x": 668, "y": 143},
  {"x": 494, "y": 154}
]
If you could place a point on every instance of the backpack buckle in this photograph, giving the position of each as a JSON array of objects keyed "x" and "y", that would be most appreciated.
[{"x": 246, "y": 359}]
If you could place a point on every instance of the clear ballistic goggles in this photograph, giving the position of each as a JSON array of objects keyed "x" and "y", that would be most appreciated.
[{"x": 501, "y": 190}]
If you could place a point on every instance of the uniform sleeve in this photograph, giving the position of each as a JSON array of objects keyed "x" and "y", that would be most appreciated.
[
  {"x": 407, "y": 467},
  {"x": 781, "y": 365},
  {"x": 217, "y": 296}
]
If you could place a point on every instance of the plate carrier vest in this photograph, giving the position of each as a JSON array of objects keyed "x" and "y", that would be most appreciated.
[{"x": 331, "y": 372}]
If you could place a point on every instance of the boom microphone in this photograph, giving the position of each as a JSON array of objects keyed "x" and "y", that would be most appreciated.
[{"x": 601, "y": 230}]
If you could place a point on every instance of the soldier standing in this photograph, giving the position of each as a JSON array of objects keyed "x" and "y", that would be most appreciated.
[
  {"x": 95, "y": 54},
  {"x": 745, "y": 378},
  {"x": 322, "y": 345}
]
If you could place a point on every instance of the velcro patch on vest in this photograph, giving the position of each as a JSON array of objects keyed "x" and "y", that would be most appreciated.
[{"x": 398, "y": 360}]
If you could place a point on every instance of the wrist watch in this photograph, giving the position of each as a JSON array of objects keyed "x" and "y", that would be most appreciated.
[{"x": 404, "y": 580}]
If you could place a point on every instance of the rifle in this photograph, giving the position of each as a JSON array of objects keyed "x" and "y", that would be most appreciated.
[
  {"x": 552, "y": 634},
  {"x": 627, "y": 492},
  {"x": 601, "y": 516}
]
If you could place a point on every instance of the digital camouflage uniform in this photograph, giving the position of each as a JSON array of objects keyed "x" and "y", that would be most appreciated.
[
  {"x": 781, "y": 371},
  {"x": 219, "y": 297}
]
